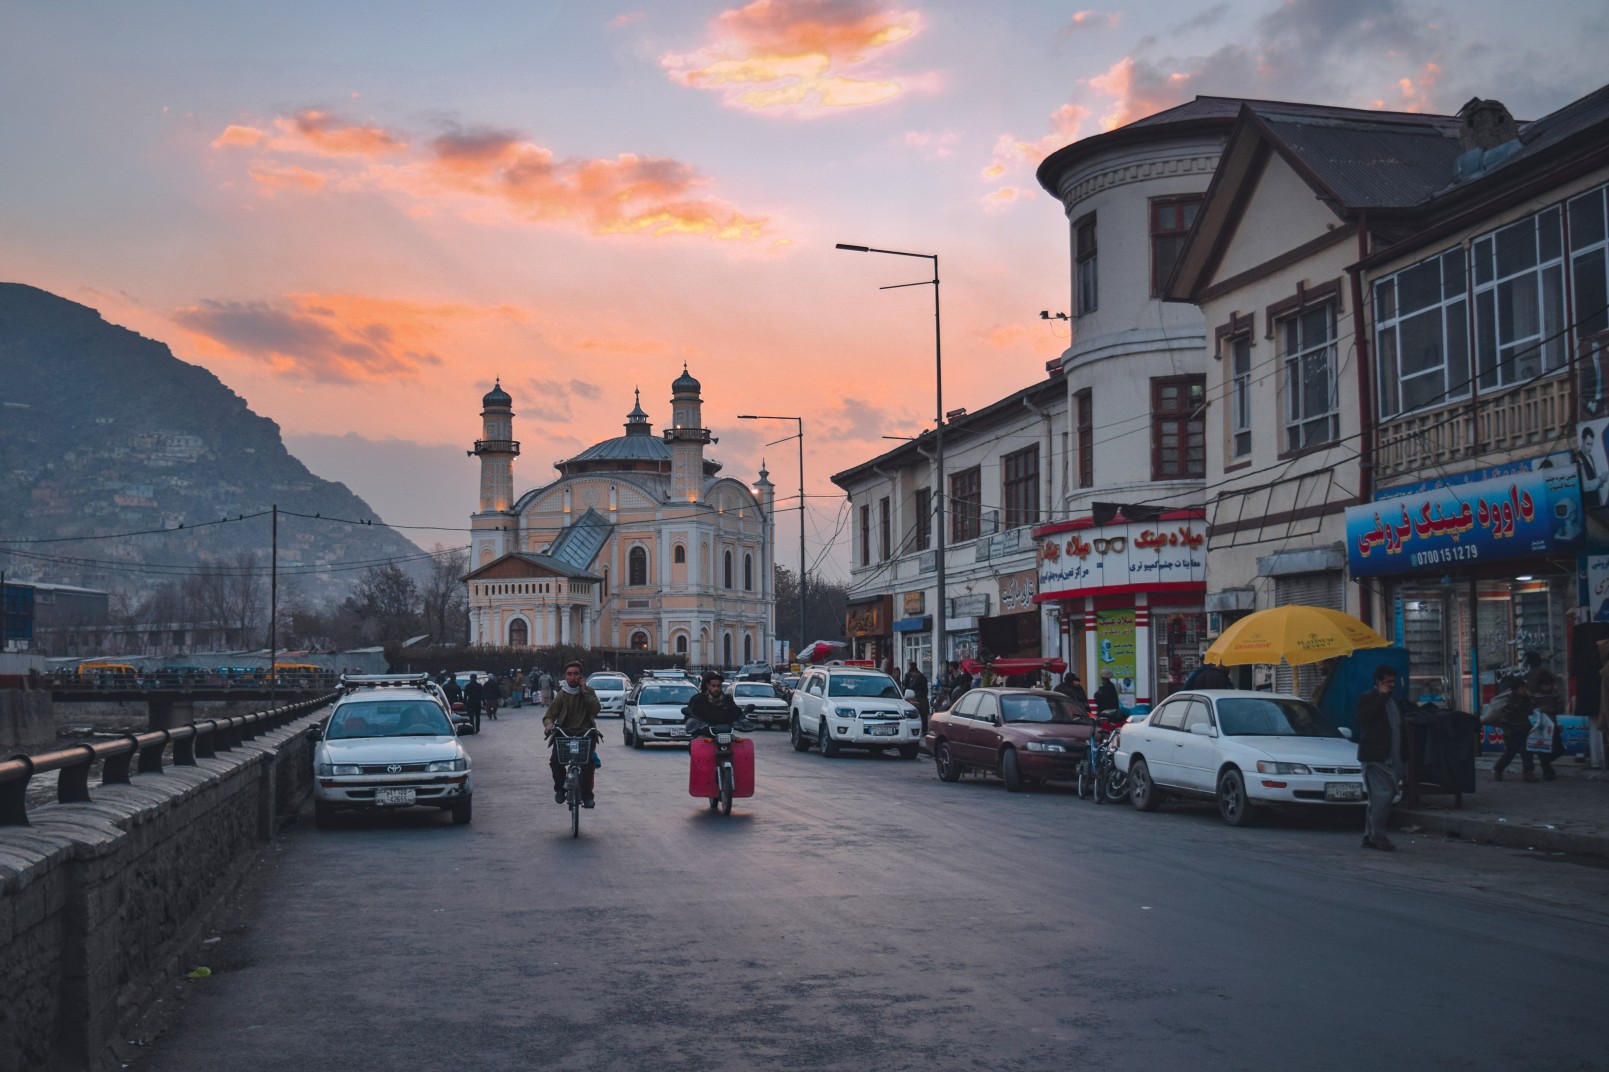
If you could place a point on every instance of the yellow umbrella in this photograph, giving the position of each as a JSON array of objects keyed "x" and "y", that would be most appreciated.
[{"x": 1296, "y": 634}]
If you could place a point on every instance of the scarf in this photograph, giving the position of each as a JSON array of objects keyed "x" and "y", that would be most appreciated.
[{"x": 573, "y": 690}]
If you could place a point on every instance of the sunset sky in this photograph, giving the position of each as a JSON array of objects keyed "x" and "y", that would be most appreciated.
[{"x": 358, "y": 214}]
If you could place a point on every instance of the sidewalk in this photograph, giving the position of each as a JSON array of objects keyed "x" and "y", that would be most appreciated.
[{"x": 1570, "y": 814}]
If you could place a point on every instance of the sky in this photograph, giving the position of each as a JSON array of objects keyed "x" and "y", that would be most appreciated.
[{"x": 359, "y": 215}]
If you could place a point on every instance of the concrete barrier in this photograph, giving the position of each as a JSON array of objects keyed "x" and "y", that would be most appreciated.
[
  {"x": 27, "y": 722},
  {"x": 104, "y": 902}
]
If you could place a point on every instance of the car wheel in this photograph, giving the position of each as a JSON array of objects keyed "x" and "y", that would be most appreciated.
[
  {"x": 1143, "y": 793},
  {"x": 636, "y": 739},
  {"x": 949, "y": 770},
  {"x": 625, "y": 733},
  {"x": 1009, "y": 772},
  {"x": 829, "y": 747},
  {"x": 323, "y": 815},
  {"x": 801, "y": 743},
  {"x": 1234, "y": 807},
  {"x": 907, "y": 751},
  {"x": 1085, "y": 786},
  {"x": 463, "y": 812}
]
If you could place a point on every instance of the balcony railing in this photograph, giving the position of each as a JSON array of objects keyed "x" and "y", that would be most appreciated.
[
  {"x": 1528, "y": 417},
  {"x": 496, "y": 446}
]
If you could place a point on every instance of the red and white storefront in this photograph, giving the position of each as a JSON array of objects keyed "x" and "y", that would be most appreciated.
[{"x": 1130, "y": 599}]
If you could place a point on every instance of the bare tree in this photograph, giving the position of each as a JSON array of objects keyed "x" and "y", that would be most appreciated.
[
  {"x": 387, "y": 600},
  {"x": 445, "y": 598}
]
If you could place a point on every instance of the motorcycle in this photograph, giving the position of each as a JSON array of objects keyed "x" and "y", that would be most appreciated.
[
  {"x": 722, "y": 764},
  {"x": 1098, "y": 775}
]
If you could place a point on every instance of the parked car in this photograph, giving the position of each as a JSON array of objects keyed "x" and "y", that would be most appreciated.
[
  {"x": 390, "y": 746},
  {"x": 1244, "y": 750},
  {"x": 849, "y": 706},
  {"x": 770, "y": 707},
  {"x": 1026, "y": 736},
  {"x": 653, "y": 712},
  {"x": 611, "y": 688}
]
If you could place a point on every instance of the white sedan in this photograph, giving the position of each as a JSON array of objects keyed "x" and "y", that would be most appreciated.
[
  {"x": 761, "y": 701},
  {"x": 654, "y": 713},
  {"x": 389, "y": 748},
  {"x": 611, "y": 689},
  {"x": 1244, "y": 750}
]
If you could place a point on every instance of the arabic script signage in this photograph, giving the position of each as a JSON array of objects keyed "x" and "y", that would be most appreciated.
[
  {"x": 1509, "y": 516},
  {"x": 1133, "y": 556},
  {"x": 1017, "y": 592},
  {"x": 869, "y": 619}
]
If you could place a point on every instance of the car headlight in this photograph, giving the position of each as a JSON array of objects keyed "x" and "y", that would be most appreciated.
[
  {"x": 443, "y": 766},
  {"x": 336, "y": 770},
  {"x": 1045, "y": 746},
  {"x": 910, "y": 712},
  {"x": 844, "y": 712},
  {"x": 1268, "y": 767}
]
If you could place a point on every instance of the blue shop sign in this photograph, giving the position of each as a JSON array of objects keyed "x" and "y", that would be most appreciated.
[{"x": 1515, "y": 515}]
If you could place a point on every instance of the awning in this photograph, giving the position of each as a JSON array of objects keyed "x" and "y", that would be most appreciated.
[
  {"x": 1014, "y": 666},
  {"x": 914, "y": 625}
]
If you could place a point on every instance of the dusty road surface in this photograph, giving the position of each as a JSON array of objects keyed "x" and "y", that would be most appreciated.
[{"x": 859, "y": 914}]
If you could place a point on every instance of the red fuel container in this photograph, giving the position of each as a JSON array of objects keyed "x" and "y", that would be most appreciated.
[{"x": 701, "y": 773}]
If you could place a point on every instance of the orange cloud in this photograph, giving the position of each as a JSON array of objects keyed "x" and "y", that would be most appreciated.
[
  {"x": 331, "y": 338},
  {"x": 272, "y": 177},
  {"x": 323, "y": 133},
  {"x": 1013, "y": 154},
  {"x": 799, "y": 57},
  {"x": 1091, "y": 20},
  {"x": 239, "y": 137}
]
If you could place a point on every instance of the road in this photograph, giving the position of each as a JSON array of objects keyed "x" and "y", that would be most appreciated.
[{"x": 859, "y": 914}]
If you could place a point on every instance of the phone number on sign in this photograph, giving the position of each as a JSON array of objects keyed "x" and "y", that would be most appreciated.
[{"x": 1440, "y": 555}]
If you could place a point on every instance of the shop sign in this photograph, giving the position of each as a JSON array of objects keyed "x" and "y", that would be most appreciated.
[
  {"x": 1594, "y": 574},
  {"x": 1017, "y": 591},
  {"x": 869, "y": 619},
  {"x": 972, "y": 606},
  {"x": 1131, "y": 556},
  {"x": 1533, "y": 511},
  {"x": 915, "y": 604},
  {"x": 1115, "y": 649}
]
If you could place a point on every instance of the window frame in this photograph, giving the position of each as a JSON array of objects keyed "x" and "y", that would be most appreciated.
[
  {"x": 726, "y": 569},
  {"x": 1585, "y": 250},
  {"x": 922, "y": 522},
  {"x": 1452, "y": 311},
  {"x": 865, "y": 534},
  {"x": 1280, "y": 317},
  {"x": 1160, "y": 235},
  {"x": 1084, "y": 414},
  {"x": 1187, "y": 420},
  {"x": 1086, "y": 266},
  {"x": 637, "y": 557},
  {"x": 1547, "y": 346},
  {"x": 1019, "y": 487},
  {"x": 966, "y": 504},
  {"x": 885, "y": 528}
]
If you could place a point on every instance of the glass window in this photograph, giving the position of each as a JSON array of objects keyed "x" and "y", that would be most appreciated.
[
  {"x": 1084, "y": 254},
  {"x": 1421, "y": 335},
  {"x": 1257, "y": 717},
  {"x": 748, "y": 573},
  {"x": 878, "y": 685},
  {"x": 1019, "y": 472},
  {"x": 966, "y": 504},
  {"x": 389, "y": 718},
  {"x": 988, "y": 707},
  {"x": 1084, "y": 403},
  {"x": 637, "y": 566},
  {"x": 967, "y": 705},
  {"x": 1031, "y": 708},
  {"x": 885, "y": 529},
  {"x": 865, "y": 535},
  {"x": 922, "y": 523},
  {"x": 1178, "y": 428},
  {"x": 1519, "y": 301},
  {"x": 679, "y": 555},
  {"x": 1240, "y": 396},
  {"x": 1197, "y": 715},
  {"x": 1589, "y": 262},
  {"x": 1307, "y": 347},
  {"x": 726, "y": 572},
  {"x": 1171, "y": 220},
  {"x": 1170, "y": 716}
]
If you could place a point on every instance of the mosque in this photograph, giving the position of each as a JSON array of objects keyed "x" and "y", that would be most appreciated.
[{"x": 639, "y": 544}]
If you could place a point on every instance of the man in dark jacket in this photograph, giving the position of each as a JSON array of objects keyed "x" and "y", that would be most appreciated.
[
  {"x": 916, "y": 681},
  {"x": 1073, "y": 689},
  {"x": 575, "y": 711},
  {"x": 1381, "y": 752},
  {"x": 1106, "y": 697},
  {"x": 474, "y": 698},
  {"x": 712, "y": 706}
]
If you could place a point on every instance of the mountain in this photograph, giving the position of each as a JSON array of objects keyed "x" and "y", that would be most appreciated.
[{"x": 104, "y": 431}]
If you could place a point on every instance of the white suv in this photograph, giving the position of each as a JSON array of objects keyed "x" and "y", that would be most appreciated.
[{"x": 846, "y": 706}]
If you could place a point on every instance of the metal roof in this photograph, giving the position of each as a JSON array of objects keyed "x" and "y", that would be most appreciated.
[
  {"x": 626, "y": 448},
  {"x": 579, "y": 543},
  {"x": 1392, "y": 161}
]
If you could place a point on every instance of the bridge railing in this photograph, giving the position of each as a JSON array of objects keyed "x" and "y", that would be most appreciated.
[
  {"x": 134, "y": 753},
  {"x": 206, "y": 681}
]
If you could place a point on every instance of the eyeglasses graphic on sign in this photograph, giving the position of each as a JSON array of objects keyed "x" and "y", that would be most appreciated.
[{"x": 1117, "y": 545}]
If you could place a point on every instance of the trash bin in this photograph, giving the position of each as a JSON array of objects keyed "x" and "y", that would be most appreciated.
[{"x": 1441, "y": 753}]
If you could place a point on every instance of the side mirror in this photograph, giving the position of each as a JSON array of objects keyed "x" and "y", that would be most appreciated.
[
  {"x": 1201, "y": 729},
  {"x": 994, "y": 720},
  {"x": 1345, "y": 732},
  {"x": 910, "y": 694}
]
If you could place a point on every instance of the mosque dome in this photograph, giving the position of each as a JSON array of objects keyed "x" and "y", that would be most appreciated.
[{"x": 497, "y": 398}]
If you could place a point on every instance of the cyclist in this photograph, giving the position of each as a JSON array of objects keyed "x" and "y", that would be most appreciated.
[
  {"x": 712, "y": 706},
  {"x": 575, "y": 711}
]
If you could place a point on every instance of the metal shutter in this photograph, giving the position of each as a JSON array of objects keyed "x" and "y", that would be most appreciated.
[{"x": 1312, "y": 590}]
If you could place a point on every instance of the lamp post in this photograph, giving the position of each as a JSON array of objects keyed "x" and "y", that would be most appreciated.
[
  {"x": 938, "y": 433},
  {"x": 804, "y": 564}
]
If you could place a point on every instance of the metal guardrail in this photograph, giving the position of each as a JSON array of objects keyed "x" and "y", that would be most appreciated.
[
  {"x": 140, "y": 751},
  {"x": 160, "y": 681}
]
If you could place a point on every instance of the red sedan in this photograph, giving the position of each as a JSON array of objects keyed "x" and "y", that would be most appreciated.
[{"x": 1026, "y": 736}]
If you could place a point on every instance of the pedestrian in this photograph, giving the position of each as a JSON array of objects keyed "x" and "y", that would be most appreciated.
[
  {"x": 1106, "y": 697},
  {"x": 960, "y": 682},
  {"x": 474, "y": 699},
  {"x": 1073, "y": 689},
  {"x": 916, "y": 681},
  {"x": 1208, "y": 676},
  {"x": 1380, "y": 750},
  {"x": 546, "y": 682},
  {"x": 519, "y": 687},
  {"x": 1534, "y": 693}
]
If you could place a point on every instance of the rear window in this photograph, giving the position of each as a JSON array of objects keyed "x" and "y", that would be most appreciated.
[
  {"x": 613, "y": 682},
  {"x": 878, "y": 685},
  {"x": 1035, "y": 709},
  {"x": 388, "y": 718}
]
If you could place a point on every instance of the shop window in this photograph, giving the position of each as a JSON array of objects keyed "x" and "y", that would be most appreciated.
[
  {"x": 1086, "y": 265},
  {"x": 922, "y": 522},
  {"x": 1421, "y": 334},
  {"x": 1171, "y": 220},
  {"x": 966, "y": 504},
  {"x": 1178, "y": 428},
  {"x": 1519, "y": 301},
  {"x": 1084, "y": 404},
  {"x": 1306, "y": 342},
  {"x": 1019, "y": 487}
]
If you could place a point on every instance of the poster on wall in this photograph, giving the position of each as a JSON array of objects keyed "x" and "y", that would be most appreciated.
[
  {"x": 1594, "y": 573},
  {"x": 1114, "y": 651}
]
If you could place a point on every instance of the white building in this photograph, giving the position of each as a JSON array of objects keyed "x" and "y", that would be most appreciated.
[{"x": 640, "y": 544}]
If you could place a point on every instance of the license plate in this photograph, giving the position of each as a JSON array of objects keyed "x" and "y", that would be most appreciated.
[
  {"x": 393, "y": 797},
  {"x": 882, "y": 731},
  {"x": 1343, "y": 791}
]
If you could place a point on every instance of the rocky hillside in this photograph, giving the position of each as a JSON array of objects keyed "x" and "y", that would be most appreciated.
[{"x": 105, "y": 431}]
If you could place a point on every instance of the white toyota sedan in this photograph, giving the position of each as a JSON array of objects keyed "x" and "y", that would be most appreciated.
[
  {"x": 654, "y": 713},
  {"x": 389, "y": 748},
  {"x": 611, "y": 688},
  {"x": 1245, "y": 750}
]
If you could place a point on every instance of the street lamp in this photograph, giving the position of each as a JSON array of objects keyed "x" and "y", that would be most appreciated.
[
  {"x": 804, "y": 565},
  {"x": 938, "y": 432}
]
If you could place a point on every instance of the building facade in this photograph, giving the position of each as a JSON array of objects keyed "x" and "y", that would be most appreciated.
[{"x": 639, "y": 544}]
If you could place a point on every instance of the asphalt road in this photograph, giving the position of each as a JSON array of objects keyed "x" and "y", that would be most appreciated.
[{"x": 857, "y": 913}]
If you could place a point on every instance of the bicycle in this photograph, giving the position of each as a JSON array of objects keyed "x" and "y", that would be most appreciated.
[
  {"x": 575, "y": 753},
  {"x": 1098, "y": 776}
]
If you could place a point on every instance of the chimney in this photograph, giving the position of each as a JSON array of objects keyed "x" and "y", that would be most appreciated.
[{"x": 1485, "y": 124}]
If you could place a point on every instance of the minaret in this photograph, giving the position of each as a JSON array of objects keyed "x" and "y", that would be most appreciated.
[
  {"x": 686, "y": 438},
  {"x": 495, "y": 533}
]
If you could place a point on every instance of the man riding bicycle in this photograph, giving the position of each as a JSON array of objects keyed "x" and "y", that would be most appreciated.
[{"x": 575, "y": 711}]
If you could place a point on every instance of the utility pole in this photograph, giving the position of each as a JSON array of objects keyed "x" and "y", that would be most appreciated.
[{"x": 273, "y": 607}]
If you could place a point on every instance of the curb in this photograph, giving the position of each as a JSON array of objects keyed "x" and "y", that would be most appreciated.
[{"x": 1516, "y": 835}]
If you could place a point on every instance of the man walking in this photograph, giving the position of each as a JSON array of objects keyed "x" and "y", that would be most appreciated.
[
  {"x": 1380, "y": 751},
  {"x": 916, "y": 681}
]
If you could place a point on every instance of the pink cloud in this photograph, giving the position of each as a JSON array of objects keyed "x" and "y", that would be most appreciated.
[{"x": 1091, "y": 20}]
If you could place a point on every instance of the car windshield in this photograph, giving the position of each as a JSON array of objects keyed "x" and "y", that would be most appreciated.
[
  {"x": 666, "y": 694},
  {"x": 862, "y": 685},
  {"x": 612, "y": 682},
  {"x": 388, "y": 718},
  {"x": 754, "y": 690},
  {"x": 1035, "y": 709},
  {"x": 1269, "y": 717}
]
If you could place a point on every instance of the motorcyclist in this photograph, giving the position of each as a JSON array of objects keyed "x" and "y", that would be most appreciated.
[
  {"x": 575, "y": 711},
  {"x": 712, "y": 706}
]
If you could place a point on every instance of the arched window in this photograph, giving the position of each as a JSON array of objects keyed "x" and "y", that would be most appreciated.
[
  {"x": 681, "y": 645},
  {"x": 679, "y": 555},
  {"x": 748, "y": 573},
  {"x": 726, "y": 645},
  {"x": 726, "y": 572},
  {"x": 748, "y": 648},
  {"x": 605, "y": 592},
  {"x": 519, "y": 635},
  {"x": 638, "y": 562},
  {"x": 639, "y": 641}
]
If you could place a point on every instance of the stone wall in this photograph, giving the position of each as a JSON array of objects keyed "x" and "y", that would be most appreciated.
[
  {"x": 27, "y": 723},
  {"x": 101, "y": 903}
]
